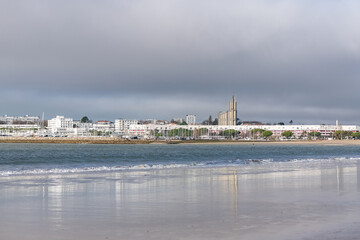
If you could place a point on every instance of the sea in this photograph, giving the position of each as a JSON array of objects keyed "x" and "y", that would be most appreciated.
[{"x": 35, "y": 159}]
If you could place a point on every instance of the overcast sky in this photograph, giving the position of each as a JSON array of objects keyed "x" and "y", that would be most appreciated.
[{"x": 283, "y": 59}]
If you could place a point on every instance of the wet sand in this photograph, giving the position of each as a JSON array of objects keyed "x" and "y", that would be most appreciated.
[{"x": 280, "y": 201}]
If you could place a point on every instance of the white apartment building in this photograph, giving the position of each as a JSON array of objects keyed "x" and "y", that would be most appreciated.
[
  {"x": 122, "y": 125},
  {"x": 19, "y": 129},
  {"x": 82, "y": 129},
  {"x": 104, "y": 126},
  {"x": 61, "y": 125},
  {"x": 190, "y": 119},
  {"x": 19, "y": 119}
]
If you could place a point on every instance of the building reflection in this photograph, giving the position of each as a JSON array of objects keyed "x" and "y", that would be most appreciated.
[
  {"x": 332, "y": 177},
  {"x": 358, "y": 175},
  {"x": 127, "y": 197}
]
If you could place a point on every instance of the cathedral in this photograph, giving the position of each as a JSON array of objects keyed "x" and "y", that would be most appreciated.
[{"x": 229, "y": 117}]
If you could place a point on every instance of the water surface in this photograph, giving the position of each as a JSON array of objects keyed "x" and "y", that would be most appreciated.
[{"x": 62, "y": 158}]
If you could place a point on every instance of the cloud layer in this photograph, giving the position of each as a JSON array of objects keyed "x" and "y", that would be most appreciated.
[{"x": 283, "y": 60}]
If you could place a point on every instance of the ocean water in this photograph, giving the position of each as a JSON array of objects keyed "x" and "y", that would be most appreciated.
[{"x": 27, "y": 159}]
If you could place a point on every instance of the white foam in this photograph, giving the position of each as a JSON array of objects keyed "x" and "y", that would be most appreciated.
[
  {"x": 93, "y": 169},
  {"x": 308, "y": 163}
]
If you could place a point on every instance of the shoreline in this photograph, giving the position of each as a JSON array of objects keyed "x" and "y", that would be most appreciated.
[
  {"x": 316, "y": 203},
  {"x": 108, "y": 140}
]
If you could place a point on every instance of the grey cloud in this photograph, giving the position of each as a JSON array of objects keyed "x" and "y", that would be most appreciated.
[{"x": 285, "y": 58}]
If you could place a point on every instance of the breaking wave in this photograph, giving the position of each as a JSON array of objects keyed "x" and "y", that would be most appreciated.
[{"x": 309, "y": 162}]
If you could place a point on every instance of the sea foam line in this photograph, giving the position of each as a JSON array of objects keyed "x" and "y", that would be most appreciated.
[{"x": 308, "y": 162}]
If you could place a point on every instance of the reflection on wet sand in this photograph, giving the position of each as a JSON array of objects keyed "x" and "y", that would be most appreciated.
[
  {"x": 339, "y": 177},
  {"x": 358, "y": 175},
  {"x": 192, "y": 203}
]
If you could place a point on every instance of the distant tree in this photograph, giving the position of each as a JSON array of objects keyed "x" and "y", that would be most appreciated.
[
  {"x": 230, "y": 133},
  {"x": 183, "y": 123},
  {"x": 314, "y": 134},
  {"x": 95, "y": 133},
  {"x": 215, "y": 122},
  {"x": 156, "y": 133},
  {"x": 238, "y": 121},
  {"x": 356, "y": 135},
  {"x": 267, "y": 134},
  {"x": 201, "y": 131},
  {"x": 85, "y": 119},
  {"x": 178, "y": 132},
  {"x": 178, "y": 122},
  {"x": 348, "y": 134},
  {"x": 340, "y": 134},
  {"x": 257, "y": 132},
  {"x": 291, "y": 122},
  {"x": 287, "y": 134},
  {"x": 304, "y": 134},
  {"x": 281, "y": 123},
  {"x": 205, "y": 122}
]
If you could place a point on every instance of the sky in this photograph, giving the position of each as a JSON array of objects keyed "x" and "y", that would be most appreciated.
[{"x": 139, "y": 59}]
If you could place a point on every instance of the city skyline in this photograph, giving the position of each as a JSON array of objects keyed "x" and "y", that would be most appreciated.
[
  {"x": 283, "y": 60},
  {"x": 174, "y": 120}
]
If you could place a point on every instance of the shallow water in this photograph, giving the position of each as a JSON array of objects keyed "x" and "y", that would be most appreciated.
[{"x": 19, "y": 159}]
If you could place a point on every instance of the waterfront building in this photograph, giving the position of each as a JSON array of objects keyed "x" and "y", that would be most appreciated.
[
  {"x": 83, "y": 128},
  {"x": 121, "y": 125},
  {"x": 19, "y": 129},
  {"x": 244, "y": 131},
  {"x": 23, "y": 120},
  {"x": 229, "y": 117},
  {"x": 104, "y": 126},
  {"x": 190, "y": 119},
  {"x": 61, "y": 125}
]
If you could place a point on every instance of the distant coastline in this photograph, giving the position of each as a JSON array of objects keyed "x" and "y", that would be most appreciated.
[{"x": 110, "y": 140}]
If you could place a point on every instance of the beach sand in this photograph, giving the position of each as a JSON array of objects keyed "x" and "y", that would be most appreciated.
[{"x": 281, "y": 201}]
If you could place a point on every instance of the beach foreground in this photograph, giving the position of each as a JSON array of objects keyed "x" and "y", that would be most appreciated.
[{"x": 282, "y": 201}]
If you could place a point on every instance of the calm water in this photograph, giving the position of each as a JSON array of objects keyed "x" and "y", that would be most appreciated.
[{"x": 18, "y": 159}]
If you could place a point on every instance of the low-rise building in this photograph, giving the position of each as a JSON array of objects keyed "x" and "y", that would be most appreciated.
[
  {"x": 244, "y": 131},
  {"x": 19, "y": 129},
  {"x": 104, "y": 126},
  {"x": 23, "y": 120}
]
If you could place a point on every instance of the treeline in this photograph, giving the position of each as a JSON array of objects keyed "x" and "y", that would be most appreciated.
[
  {"x": 340, "y": 134},
  {"x": 257, "y": 133}
]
